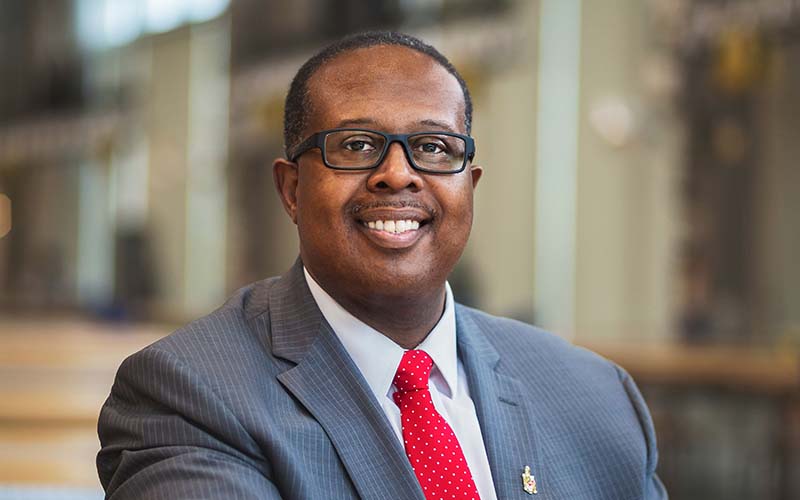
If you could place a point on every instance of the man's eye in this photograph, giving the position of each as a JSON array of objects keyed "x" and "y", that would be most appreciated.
[
  {"x": 431, "y": 148},
  {"x": 358, "y": 146}
]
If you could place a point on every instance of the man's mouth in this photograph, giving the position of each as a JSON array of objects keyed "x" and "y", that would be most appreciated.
[
  {"x": 396, "y": 224},
  {"x": 394, "y": 229},
  {"x": 393, "y": 226}
]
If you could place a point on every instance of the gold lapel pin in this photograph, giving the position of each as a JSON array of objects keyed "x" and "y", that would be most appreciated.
[{"x": 529, "y": 482}]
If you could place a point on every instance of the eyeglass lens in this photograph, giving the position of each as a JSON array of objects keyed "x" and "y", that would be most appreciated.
[{"x": 362, "y": 149}]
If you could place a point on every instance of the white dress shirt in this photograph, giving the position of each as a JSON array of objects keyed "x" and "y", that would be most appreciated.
[{"x": 377, "y": 357}]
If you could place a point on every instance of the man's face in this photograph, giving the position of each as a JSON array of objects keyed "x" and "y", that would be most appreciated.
[{"x": 393, "y": 90}]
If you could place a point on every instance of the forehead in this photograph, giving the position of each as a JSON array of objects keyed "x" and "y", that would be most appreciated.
[{"x": 395, "y": 88}]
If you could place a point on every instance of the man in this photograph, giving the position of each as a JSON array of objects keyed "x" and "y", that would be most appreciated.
[{"x": 355, "y": 374}]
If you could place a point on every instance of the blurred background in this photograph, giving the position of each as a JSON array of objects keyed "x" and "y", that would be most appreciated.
[{"x": 640, "y": 197}]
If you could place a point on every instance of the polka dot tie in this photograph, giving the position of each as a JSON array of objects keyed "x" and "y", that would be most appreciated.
[{"x": 430, "y": 443}]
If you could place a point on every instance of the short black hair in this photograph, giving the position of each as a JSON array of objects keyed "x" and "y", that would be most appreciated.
[{"x": 295, "y": 114}]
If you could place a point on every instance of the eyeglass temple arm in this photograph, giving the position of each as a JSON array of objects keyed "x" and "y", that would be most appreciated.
[{"x": 311, "y": 142}]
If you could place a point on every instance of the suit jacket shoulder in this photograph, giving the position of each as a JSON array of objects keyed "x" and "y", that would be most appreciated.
[
  {"x": 580, "y": 402},
  {"x": 520, "y": 344},
  {"x": 232, "y": 319}
]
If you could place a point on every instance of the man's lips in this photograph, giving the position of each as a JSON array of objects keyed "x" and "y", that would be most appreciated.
[
  {"x": 393, "y": 228},
  {"x": 392, "y": 210},
  {"x": 384, "y": 216},
  {"x": 393, "y": 240}
]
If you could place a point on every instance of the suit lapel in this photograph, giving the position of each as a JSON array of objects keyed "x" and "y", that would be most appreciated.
[
  {"x": 326, "y": 381},
  {"x": 508, "y": 429}
]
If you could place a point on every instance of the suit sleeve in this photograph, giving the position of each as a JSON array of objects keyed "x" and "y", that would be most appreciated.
[
  {"x": 653, "y": 487},
  {"x": 165, "y": 434}
]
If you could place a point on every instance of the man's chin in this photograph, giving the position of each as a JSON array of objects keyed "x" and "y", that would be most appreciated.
[
  {"x": 373, "y": 274},
  {"x": 403, "y": 281}
]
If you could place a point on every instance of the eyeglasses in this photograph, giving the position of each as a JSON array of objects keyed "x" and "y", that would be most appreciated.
[{"x": 363, "y": 149}]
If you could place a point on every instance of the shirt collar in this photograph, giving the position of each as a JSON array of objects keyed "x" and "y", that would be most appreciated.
[{"x": 376, "y": 356}]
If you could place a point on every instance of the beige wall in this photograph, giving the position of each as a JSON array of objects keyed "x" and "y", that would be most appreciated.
[
  {"x": 628, "y": 206},
  {"x": 500, "y": 252}
]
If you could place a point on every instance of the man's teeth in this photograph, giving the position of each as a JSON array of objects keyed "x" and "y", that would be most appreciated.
[{"x": 393, "y": 226}]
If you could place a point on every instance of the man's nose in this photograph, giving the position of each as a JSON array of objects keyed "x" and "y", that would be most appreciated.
[{"x": 395, "y": 173}]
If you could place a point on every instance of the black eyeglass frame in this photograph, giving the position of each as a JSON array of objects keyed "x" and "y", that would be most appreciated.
[{"x": 317, "y": 140}]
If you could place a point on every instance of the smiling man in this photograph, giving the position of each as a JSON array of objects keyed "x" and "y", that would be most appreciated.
[{"x": 356, "y": 374}]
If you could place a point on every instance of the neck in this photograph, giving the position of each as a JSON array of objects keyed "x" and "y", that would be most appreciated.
[
  {"x": 404, "y": 319},
  {"x": 405, "y": 323}
]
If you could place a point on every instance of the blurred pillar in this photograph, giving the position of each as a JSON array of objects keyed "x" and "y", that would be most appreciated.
[
  {"x": 556, "y": 164},
  {"x": 206, "y": 173},
  {"x": 167, "y": 128},
  {"x": 607, "y": 208},
  {"x": 95, "y": 265},
  {"x": 187, "y": 137}
]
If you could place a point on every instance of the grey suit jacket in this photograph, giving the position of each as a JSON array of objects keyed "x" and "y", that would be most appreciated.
[{"x": 259, "y": 399}]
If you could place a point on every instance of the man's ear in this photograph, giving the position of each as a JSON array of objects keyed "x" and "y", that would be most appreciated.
[
  {"x": 476, "y": 172},
  {"x": 284, "y": 173}
]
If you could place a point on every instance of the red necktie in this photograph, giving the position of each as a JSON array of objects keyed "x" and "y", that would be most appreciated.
[{"x": 430, "y": 443}]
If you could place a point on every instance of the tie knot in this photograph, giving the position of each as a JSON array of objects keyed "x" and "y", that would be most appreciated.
[{"x": 413, "y": 371}]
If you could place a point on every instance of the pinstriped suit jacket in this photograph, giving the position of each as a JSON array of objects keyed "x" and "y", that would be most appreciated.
[{"x": 260, "y": 400}]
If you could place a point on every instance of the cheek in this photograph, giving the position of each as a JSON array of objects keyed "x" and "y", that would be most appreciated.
[
  {"x": 456, "y": 221},
  {"x": 456, "y": 201},
  {"x": 321, "y": 194},
  {"x": 324, "y": 227}
]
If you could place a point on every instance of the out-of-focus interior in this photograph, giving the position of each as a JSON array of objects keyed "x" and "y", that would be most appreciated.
[{"x": 640, "y": 197}]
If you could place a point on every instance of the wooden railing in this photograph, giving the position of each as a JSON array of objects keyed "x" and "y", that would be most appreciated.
[
  {"x": 54, "y": 377},
  {"x": 733, "y": 367}
]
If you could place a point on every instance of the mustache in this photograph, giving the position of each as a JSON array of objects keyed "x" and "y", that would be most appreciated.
[{"x": 355, "y": 208}]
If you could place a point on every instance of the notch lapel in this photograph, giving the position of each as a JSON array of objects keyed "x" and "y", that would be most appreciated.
[
  {"x": 327, "y": 382},
  {"x": 508, "y": 429}
]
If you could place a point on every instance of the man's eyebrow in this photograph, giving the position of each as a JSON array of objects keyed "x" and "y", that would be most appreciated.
[
  {"x": 435, "y": 124},
  {"x": 355, "y": 121},
  {"x": 439, "y": 125}
]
